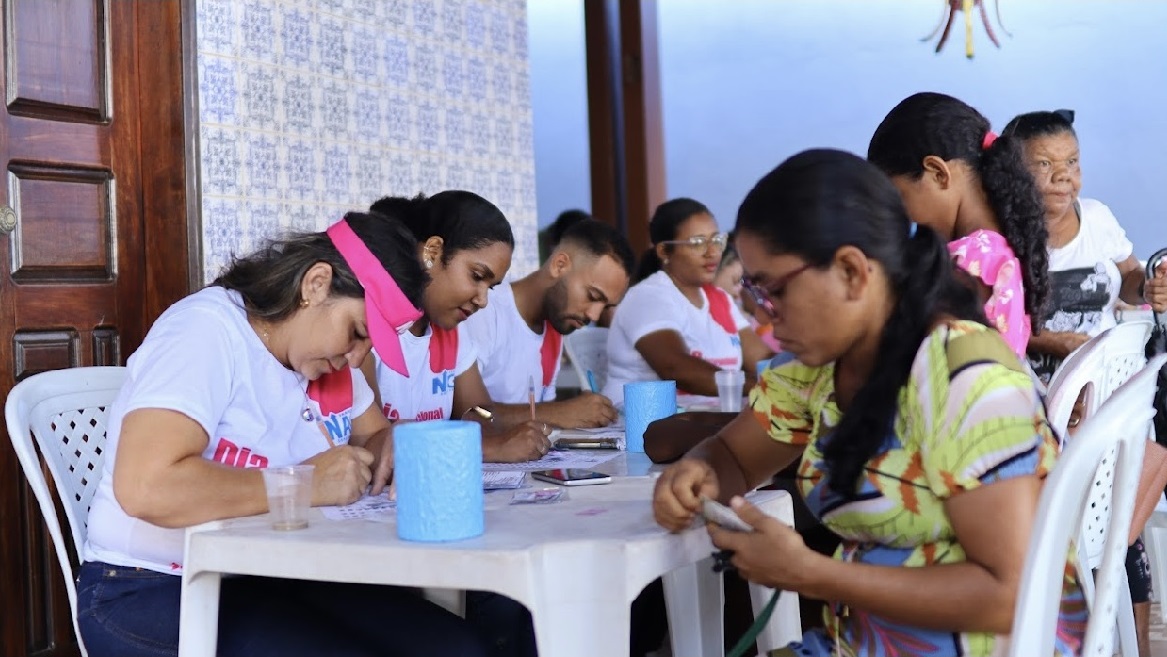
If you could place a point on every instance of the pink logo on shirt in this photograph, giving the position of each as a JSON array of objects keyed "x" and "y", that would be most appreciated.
[
  {"x": 333, "y": 393},
  {"x": 228, "y": 453}
]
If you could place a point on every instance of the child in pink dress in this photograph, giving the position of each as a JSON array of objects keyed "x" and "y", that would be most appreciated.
[{"x": 986, "y": 256}]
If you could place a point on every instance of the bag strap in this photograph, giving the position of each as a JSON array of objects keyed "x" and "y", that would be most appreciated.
[{"x": 980, "y": 347}]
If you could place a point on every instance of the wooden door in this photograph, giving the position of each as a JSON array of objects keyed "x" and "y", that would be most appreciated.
[{"x": 92, "y": 91}]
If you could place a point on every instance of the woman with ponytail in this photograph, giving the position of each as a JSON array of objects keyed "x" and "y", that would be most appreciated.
[
  {"x": 921, "y": 437},
  {"x": 674, "y": 323},
  {"x": 973, "y": 188}
]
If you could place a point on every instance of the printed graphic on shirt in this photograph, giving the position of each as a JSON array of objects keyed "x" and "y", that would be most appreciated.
[
  {"x": 429, "y": 395},
  {"x": 228, "y": 453},
  {"x": 332, "y": 396},
  {"x": 1078, "y": 299}
]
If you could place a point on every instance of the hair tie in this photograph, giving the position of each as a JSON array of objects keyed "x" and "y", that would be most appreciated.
[
  {"x": 912, "y": 226},
  {"x": 990, "y": 137}
]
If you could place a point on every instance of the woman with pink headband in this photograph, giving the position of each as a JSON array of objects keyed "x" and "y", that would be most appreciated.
[
  {"x": 253, "y": 371},
  {"x": 974, "y": 189}
]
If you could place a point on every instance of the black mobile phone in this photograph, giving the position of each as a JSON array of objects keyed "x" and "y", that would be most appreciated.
[
  {"x": 584, "y": 442},
  {"x": 572, "y": 477}
]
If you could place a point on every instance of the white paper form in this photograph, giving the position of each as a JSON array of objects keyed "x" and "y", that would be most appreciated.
[
  {"x": 379, "y": 508},
  {"x": 575, "y": 458}
]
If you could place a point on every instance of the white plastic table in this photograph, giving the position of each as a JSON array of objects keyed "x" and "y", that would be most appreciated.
[{"x": 576, "y": 565}]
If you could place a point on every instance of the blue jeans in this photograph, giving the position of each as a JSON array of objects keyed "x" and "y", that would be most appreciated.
[{"x": 131, "y": 612}]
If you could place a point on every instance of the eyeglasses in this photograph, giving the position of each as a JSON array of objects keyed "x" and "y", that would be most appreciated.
[
  {"x": 701, "y": 242},
  {"x": 762, "y": 296}
]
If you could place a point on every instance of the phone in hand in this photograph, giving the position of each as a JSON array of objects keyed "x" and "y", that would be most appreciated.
[
  {"x": 723, "y": 516},
  {"x": 572, "y": 477}
]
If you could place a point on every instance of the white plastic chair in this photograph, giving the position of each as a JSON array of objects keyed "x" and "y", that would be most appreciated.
[
  {"x": 65, "y": 411},
  {"x": 1101, "y": 365},
  {"x": 587, "y": 349},
  {"x": 1110, "y": 440}
]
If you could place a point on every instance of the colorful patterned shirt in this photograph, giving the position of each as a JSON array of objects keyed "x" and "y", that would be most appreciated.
[
  {"x": 986, "y": 255},
  {"x": 968, "y": 416}
]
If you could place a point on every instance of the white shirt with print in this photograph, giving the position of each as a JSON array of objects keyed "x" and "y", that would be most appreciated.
[
  {"x": 434, "y": 361},
  {"x": 510, "y": 354},
  {"x": 201, "y": 358},
  {"x": 1084, "y": 278},
  {"x": 656, "y": 304}
]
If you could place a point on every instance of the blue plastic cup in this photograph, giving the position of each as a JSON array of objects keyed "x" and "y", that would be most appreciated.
[{"x": 644, "y": 403}]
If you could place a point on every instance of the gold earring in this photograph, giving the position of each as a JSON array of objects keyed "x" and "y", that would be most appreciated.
[
  {"x": 665, "y": 261},
  {"x": 303, "y": 303}
]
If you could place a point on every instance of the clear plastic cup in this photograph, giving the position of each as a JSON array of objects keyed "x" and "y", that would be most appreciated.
[
  {"x": 730, "y": 384},
  {"x": 289, "y": 495}
]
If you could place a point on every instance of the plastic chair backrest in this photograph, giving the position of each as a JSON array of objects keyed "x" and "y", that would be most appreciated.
[
  {"x": 1114, "y": 429},
  {"x": 65, "y": 412},
  {"x": 1085, "y": 368},
  {"x": 1125, "y": 346},
  {"x": 1122, "y": 348},
  {"x": 587, "y": 349}
]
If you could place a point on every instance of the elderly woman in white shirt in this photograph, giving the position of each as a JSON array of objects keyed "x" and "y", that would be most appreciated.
[{"x": 675, "y": 324}]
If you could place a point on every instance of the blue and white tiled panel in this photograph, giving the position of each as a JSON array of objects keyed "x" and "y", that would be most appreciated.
[{"x": 310, "y": 108}]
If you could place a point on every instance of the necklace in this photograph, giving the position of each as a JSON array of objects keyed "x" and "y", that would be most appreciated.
[{"x": 307, "y": 414}]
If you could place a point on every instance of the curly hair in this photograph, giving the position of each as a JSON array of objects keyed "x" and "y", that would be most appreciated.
[
  {"x": 935, "y": 124},
  {"x": 821, "y": 200}
]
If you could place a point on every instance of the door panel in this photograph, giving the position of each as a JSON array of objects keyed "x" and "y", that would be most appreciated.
[
  {"x": 76, "y": 288},
  {"x": 58, "y": 60}
]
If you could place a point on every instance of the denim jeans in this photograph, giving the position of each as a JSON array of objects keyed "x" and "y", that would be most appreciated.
[{"x": 131, "y": 612}]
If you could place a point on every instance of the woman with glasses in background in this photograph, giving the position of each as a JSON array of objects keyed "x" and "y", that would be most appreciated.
[{"x": 674, "y": 323}]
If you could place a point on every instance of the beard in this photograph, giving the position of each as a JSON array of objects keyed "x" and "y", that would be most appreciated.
[{"x": 555, "y": 309}]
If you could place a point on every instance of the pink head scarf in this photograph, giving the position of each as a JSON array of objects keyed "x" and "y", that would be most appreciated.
[{"x": 387, "y": 311}]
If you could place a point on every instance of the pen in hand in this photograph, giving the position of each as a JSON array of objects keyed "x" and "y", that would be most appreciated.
[
  {"x": 531, "y": 395},
  {"x": 592, "y": 382}
]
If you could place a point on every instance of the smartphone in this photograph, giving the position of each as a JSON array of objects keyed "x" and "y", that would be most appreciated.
[
  {"x": 723, "y": 516},
  {"x": 584, "y": 442},
  {"x": 572, "y": 477}
]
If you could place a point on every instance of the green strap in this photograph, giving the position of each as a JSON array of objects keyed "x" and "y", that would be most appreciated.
[
  {"x": 751, "y": 635},
  {"x": 980, "y": 346}
]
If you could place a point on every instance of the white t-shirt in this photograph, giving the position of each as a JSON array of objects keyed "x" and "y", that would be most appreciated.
[
  {"x": 1084, "y": 278},
  {"x": 434, "y": 360},
  {"x": 655, "y": 304},
  {"x": 202, "y": 359},
  {"x": 510, "y": 354}
]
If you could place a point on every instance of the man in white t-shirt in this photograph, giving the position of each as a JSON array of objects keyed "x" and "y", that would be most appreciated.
[{"x": 519, "y": 334}]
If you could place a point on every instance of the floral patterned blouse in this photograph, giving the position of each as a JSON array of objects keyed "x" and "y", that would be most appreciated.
[
  {"x": 987, "y": 256},
  {"x": 968, "y": 416}
]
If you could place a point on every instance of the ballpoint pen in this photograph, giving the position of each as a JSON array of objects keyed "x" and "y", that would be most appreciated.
[
  {"x": 531, "y": 395},
  {"x": 592, "y": 382}
]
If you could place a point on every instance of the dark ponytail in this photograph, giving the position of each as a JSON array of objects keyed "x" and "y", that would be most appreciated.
[
  {"x": 650, "y": 264},
  {"x": 935, "y": 124},
  {"x": 664, "y": 225},
  {"x": 1017, "y": 203},
  {"x": 464, "y": 220},
  {"x": 821, "y": 200}
]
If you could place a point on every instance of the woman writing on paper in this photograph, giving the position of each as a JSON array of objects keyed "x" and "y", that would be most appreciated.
[{"x": 255, "y": 371}]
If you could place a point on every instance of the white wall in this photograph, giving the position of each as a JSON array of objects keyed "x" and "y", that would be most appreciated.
[
  {"x": 559, "y": 102},
  {"x": 748, "y": 83}
]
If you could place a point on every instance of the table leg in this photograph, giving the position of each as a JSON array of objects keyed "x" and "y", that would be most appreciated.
[
  {"x": 568, "y": 625},
  {"x": 694, "y": 598},
  {"x": 786, "y": 623},
  {"x": 198, "y": 629}
]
